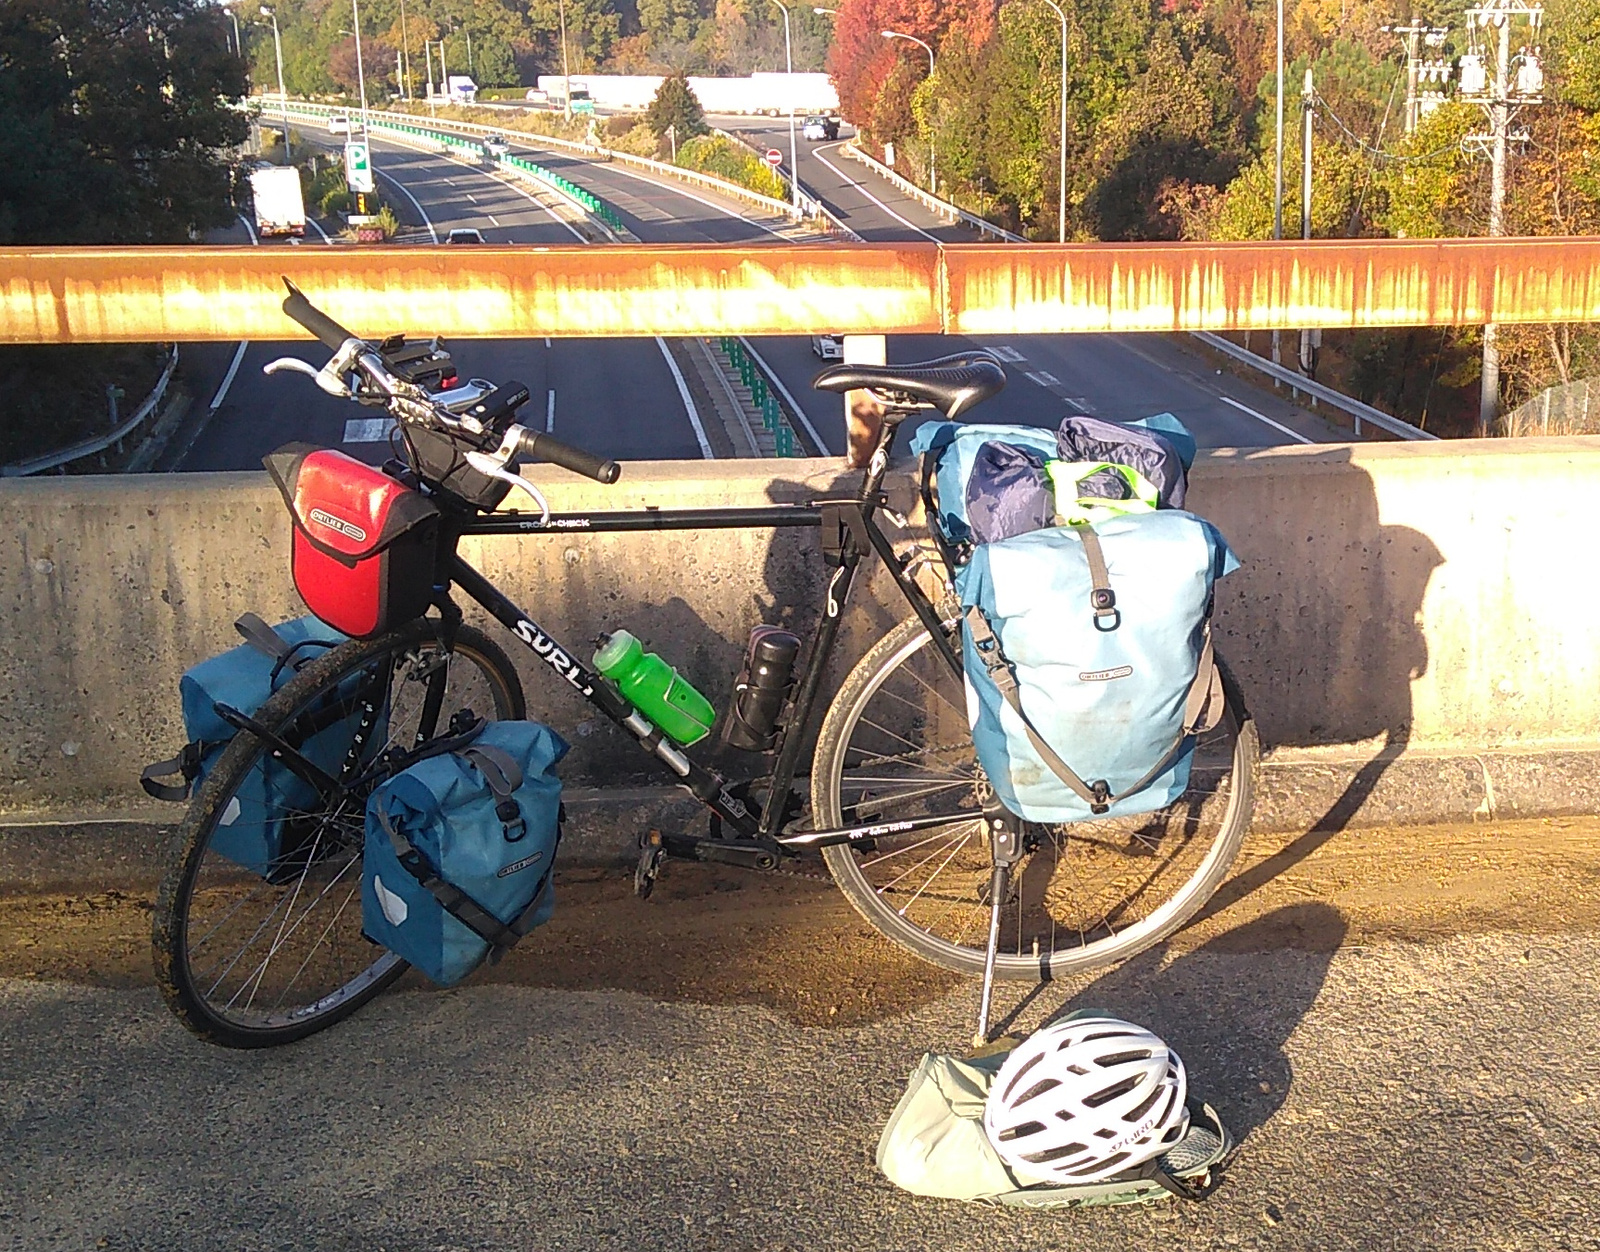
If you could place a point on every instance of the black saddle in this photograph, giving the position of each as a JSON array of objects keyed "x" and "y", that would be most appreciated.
[{"x": 951, "y": 384}]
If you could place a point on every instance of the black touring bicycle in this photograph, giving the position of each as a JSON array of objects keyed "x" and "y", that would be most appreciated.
[{"x": 899, "y": 809}]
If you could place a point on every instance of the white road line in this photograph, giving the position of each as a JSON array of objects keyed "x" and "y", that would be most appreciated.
[
  {"x": 817, "y": 152},
  {"x": 250, "y": 228},
  {"x": 470, "y": 196},
  {"x": 493, "y": 221},
  {"x": 689, "y": 195},
  {"x": 432, "y": 234},
  {"x": 227, "y": 379},
  {"x": 688, "y": 400},
  {"x": 1293, "y": 434},
  {"x": 1007, "y": 353},
  {"x": 547, "y": 341},
  {"x": 550, "y": 412},
  {"x": 540, "y": 204},
  {"x": 772, "y": 377},
  {"x": 1038, "y": 378}
]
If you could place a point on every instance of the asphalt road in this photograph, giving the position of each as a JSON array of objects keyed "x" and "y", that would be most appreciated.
[
  {"x": 619, "y": 396},
  {"x": 1430, "y": 1098}
]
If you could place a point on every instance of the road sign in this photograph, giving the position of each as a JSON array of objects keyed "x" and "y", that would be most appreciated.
[
  {"x": 774, "y": 157},
  {"x": 358, "y": 166}
]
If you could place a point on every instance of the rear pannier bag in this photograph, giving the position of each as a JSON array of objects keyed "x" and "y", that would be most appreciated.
[
  {"x": 459, "y": 848},
  {"x": 364, "y": 545},
  {"x": 257, "y": 829},
  {"x": 1087, "y": 601}
]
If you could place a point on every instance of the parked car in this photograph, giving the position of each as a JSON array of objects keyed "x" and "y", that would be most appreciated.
[
  {"x": 495, "y": 146},
  {"x": 338, "y": 124},
  {"x": 817, "y": 126},
  {"x": 828, "y": 347},
  {"x": 464, "y": 234}
]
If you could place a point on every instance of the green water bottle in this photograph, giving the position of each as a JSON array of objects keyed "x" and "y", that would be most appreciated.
[{"x": 655, "y": 689}]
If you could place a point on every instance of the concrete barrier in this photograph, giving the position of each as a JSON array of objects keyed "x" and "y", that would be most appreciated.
[{"x": 1416, "y": 626}]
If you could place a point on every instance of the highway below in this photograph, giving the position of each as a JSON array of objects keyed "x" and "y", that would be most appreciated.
[{"x": 629, "y": 398}]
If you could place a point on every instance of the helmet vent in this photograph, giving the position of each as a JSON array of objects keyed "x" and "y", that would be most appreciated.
[
  {"x": 1021, "y": 1074},
  {"x": 1040, "y": 1088},
  {"x": 1112, "y": 1092},
  {"x": 1122, "y": 1058},
  {"x": 1054, "y": 1154}
]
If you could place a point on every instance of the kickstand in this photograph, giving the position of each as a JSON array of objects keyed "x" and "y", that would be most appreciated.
[{"x": 1005, "y": 840}]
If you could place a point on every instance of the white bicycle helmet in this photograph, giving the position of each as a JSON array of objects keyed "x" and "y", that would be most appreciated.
[{"x": 1086, "y": 1098}]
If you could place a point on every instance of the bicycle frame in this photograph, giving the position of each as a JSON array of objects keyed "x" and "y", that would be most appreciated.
[{"x": 850, "y": 531}]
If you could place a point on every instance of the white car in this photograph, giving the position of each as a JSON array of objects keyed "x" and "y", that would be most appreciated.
[
  {"x": 464, "y": 234},
  {"x": 495, "y": 146},
  {"x": 339, "y": 124},
  {"x": 818, "y": 127},
  {"x": 828, "y": 347}
]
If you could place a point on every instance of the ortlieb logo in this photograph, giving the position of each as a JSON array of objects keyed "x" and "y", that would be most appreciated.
[
  {"x": 522, "y": 864},
  {"x": 1104, "y": 675},
  {"x": 337, "y": 523}
]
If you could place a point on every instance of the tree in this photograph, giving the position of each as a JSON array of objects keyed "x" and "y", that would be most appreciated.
[
  {"x": 676, "y": 106},
  {"x": 113, "y": 120}
]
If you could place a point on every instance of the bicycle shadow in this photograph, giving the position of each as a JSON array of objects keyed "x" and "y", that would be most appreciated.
[
  {"x": 1322, "y": 626},
  {"x": 1230, "y": 1025}
]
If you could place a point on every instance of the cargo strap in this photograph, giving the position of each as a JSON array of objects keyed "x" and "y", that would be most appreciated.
[
  {"x": 1102, "y": 599},
  {"x": 504, "y": 776},
  {"x": 1202, "y": 711}
]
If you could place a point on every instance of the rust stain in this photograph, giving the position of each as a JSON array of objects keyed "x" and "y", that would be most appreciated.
[{"x": 222, "y": 293}]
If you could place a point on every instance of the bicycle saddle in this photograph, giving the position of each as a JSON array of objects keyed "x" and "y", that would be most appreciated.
[{"x": 951, "y": 384}]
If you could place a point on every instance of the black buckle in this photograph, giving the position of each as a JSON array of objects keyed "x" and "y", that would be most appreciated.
[
  {"x": 511, "y": 818},
  {"x": 1101, "y": 790}
]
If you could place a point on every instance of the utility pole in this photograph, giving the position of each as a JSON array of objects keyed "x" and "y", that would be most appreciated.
[
  {"x": 788, "y": 87},
  {"x": 1413, "y": 35},
  {"x": 1310, "y": 340},
  {"x": 283, "y": 96},
  {"x": 1277, "y": 177},
  {"x": 405, "y": 54},
  {"x": 1501, "y": 97},
  {"x": 427, "y": 52},
  {"x": 566, "y": 68},
  {"x": 1061, "y": 199}
]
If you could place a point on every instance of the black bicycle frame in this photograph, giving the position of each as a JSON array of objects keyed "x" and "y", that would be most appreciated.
[{"x": 850, "y": 531}]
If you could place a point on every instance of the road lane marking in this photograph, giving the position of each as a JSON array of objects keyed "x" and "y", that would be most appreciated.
[
  {"x": 1008, "y": 353},
  {"x": 317, "y": 226},
  {"x": 227, "y": 379},
  {"x": 734, "y": 213},
  {"x": 493, "y": 221},
  {"x": 250, "y": 228},
  {"x": 817, "y": 152},
  {"x": 540, "y": 204},
  {"x": 470, "y": 196},
  {"x": 368, "y": 429},
  {"x": 794, "y": 405},
  {"x": 550, "y": 411},
  {"x": 1293, "y": 434},
  {"x": 432, "y": 234},
  {"x": 688, "y": 400}
]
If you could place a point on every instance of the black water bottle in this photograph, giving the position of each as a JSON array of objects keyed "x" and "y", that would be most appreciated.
[{"x": 762, "y": 689}]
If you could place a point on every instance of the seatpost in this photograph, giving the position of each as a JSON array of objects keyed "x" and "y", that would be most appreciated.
[{"x": 878, "y": 466}]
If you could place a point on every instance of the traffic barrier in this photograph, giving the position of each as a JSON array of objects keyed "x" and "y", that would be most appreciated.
[{"x": 773, "y": 417}]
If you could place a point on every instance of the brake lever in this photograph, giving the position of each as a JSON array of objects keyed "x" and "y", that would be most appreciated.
[
  {"x": 486, "y": 464},
  {"x": 331, "y": 383}
]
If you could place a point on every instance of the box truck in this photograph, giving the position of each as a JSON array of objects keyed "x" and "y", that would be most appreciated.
[{"x": 275, "y": 189}]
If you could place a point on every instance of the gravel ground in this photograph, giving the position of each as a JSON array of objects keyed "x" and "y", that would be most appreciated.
[{"x": 1394, "y": 1095}]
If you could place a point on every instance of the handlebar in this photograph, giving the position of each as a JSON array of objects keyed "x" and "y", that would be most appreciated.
[
  {"x": 549, "y": 448},
  {"x": 483, "y": 421},
  {"x": 332, "y": 335}
]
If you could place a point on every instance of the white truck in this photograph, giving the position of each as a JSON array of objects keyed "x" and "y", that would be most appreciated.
[
  {"x": 275, "y": 189},
  {"x": 459, "y": 89}
]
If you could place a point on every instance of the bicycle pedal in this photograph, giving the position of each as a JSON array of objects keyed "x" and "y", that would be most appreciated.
[{"x": 651, "y": 855}]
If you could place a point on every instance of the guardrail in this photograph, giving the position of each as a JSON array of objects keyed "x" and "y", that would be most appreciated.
[
  {"x": 88, "y": 447},
  {"x": 943, "y": 207},
  {"x": 755, "y": 379},
  {"x": 1337, "y": 399},
  {"x": 535, "y": 140}
]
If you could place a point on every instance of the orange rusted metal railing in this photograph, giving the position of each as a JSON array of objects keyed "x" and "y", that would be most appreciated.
[{"x": 68, "y": 295}]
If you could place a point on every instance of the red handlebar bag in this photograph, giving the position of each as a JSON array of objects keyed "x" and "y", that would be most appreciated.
[{"x": 364, "y": 547}]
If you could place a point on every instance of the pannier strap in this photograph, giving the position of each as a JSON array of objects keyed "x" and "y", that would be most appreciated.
[
  {"x": 186, "y": 763},
  {"x": 1102, "y": 599},
  {"x": 504, "y": 776},
  {"x": 500, "y": 936},
  {"x": 1202, "y": 711},
  {"x": 263, "y": 638}
]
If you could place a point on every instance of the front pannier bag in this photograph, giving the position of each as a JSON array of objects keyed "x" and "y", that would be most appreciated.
[
  {"x": 364, "y": 545},
  {"x": 459, "y": 848}
]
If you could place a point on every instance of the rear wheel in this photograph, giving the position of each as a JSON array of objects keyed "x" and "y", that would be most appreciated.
[
  {"x": 896, "y": 744},
  {"x": 257, "y": 951}
]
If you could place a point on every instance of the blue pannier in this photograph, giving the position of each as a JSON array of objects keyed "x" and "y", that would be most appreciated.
[
  {"x": 459, "y": 848},
  {"x": 256, "y": 829},
  {"x": 1087, "y": 596}
]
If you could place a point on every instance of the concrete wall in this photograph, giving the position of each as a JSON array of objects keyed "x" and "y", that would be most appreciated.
[{"x": 1421, "y": 611}]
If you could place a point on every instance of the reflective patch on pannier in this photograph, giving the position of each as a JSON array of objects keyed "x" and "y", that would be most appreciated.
[
  {"x": 459, "y": 848},
  {"x": 364, "y": 544}
]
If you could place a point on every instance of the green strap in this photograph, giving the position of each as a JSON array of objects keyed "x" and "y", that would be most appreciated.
[{"x": 1074, "y": 509}]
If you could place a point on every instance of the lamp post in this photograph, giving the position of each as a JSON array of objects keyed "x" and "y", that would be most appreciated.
[
  {"x": 405, "y": 54},
  {"x": 1061, "y": 204},
  {"x": 283, "y": 96},
  {"x": 933, "y": 181},
  {"x": 238, "y": 44},
  {"x": 1277, "y": 176},
  {"x": 566, "y": 69},
  {"x": 361, "y": 73},
  {"x": 788, "y": 64}
]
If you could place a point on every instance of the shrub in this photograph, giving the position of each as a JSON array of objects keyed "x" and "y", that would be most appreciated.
[{"x": 719, "y": 155}]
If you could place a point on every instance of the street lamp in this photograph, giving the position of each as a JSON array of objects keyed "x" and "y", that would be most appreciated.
[
  {"x": 361, "y": 73},
  {"x": 1061, "y": 209},
  {"x": 788, "y": 86},
  {"x": 566, "y": 69},
  {"x": 405, "y": 54},
  {"x": 238, "y": 44},
  {"x": 283, "y": 96},
  {"x": 1277, "y": 176},
  {"x": 933, "y": 182}
]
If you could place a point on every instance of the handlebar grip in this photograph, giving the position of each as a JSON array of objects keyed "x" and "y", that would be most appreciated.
[
  {"x": 548, "y": 448},
  {"x": 314, "y": 319}
]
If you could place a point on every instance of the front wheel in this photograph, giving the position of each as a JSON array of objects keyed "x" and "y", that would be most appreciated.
[
  {"x": 257, "y": 927},
  {"x": 896, "y": 744}
]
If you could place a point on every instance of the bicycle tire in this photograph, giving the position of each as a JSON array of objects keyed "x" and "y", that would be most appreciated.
[
  {"x": 204, "y": 895},
  {"x": 951, "y": 928}
]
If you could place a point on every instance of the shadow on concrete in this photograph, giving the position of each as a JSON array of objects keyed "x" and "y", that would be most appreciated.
[{"x": 1230, "y": 1032}]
